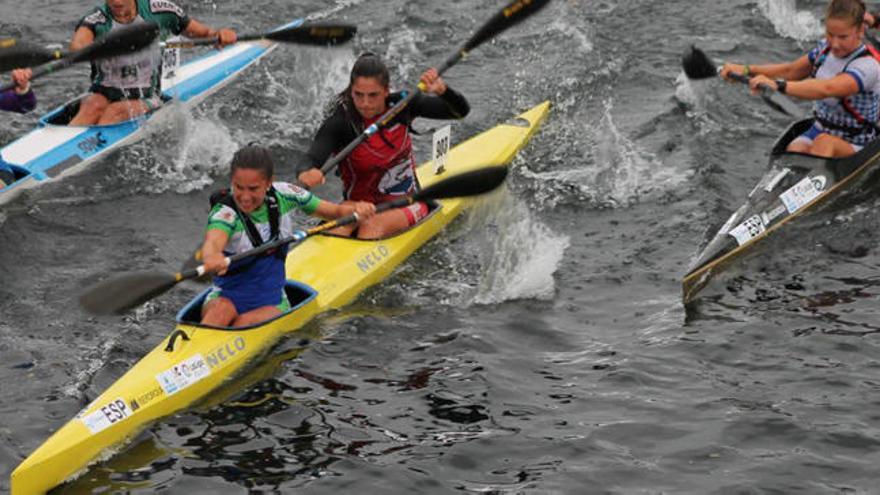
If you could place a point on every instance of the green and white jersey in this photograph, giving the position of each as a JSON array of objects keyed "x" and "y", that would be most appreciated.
[
  {"x": 139, "y": 70},
  {"x": 290, "y": 199}
]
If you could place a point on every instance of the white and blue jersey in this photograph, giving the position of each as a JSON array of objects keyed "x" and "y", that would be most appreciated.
[{"x": 831, "y": 113}]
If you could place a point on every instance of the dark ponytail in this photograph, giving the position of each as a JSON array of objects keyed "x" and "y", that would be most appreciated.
[
  {"x": 370, "y": 65},
  {"x": 253, "y": 157}
]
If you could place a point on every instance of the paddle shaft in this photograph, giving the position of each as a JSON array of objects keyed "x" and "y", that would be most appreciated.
[
  {"x": 297, "y": 237},
  {"x": 211, "y": 41},
  {"x": 310, "y": 34},
  {"x": 43, "y": 70}
]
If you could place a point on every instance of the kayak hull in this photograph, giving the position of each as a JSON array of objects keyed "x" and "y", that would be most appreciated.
[
  {"x": 54, "y": 150},
  {"x": 195, "y": 360},
  {"x": 794, "y": 184}
]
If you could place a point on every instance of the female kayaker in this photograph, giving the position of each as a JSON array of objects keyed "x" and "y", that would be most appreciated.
[
  {"x": 254, "y": 211},
  {"x": 19, "y": 99},
  {"x": 840, "y": 75},
  {"x": 382, "y": 168}
]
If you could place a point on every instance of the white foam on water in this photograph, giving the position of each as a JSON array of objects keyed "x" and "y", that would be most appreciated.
[
  {"x": 333, "y": 9},
  {"x": 518, "y": 254},
  {"x": 615, "y": 173},
  {"x": 95, "y": 361},
  {"x": 789, "y": 22},
  {"x": 307, "y": 92},
  {"x": 186, "y": 153}
]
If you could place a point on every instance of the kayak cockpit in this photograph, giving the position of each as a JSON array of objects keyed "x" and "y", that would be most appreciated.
[
  {"x": 298, "y": 294},
  {"x": 62, "y": 115}
]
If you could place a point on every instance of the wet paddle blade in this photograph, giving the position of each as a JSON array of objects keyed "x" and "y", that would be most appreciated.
[
  {"x": 121, "y": 293},
  {"x": 15, "y": 54},
  {"x": 471, "y": 183},
  {"x": 698, "y": 65},
  {"x": 314, "y": 34},
  {"x": 128, "y": 39},
  {"x": 512, "y": 14},
  {"x": 780, "y": 103}
]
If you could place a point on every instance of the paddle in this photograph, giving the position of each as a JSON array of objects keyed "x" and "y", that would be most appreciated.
[
  {"x": 119, "y": 42},
  {"x": 17, "y": 54},
  {"x": 121, "y": 293},
  {"x": 320, "y": 34},
  {"x": 697, "y": 65},
  {"x": 512, "y": 14}
]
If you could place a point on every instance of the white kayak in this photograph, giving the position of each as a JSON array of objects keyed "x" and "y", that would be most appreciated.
[{"x": 55, "y": 149}]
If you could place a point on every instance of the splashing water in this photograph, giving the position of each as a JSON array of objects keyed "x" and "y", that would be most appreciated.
[
  {"x": 789, "y": 22},
  {"x": 615, "y": 172},
  {"x": 187, "y": 154},
  {"x": 520, "y": 257}
]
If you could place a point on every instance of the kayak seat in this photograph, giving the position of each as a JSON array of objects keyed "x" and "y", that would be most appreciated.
[{"x": 298, "y": 294}]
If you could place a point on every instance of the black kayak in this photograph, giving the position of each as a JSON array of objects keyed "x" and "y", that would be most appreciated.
[{"x": 794, "y": 184}]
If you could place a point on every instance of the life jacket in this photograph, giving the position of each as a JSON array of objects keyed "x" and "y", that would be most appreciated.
[
  {"x": 867, "y": 50},
  {"x": 383, "y": 167},
  {"x": 224, "y": 197}
]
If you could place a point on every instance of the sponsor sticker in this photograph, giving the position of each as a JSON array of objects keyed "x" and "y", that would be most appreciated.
[
  {"x": 183, "y": 374},
  {"x": 801, "y": 193},
  {"x": 106, "y": 416},
  {"x": 769, "y": 216},
  {"x": 440, "y": 153},
  {"x": 748, "y": 230},
  {"x": 225, "y": 215}
]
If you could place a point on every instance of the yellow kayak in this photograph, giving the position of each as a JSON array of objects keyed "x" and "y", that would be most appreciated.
[{"x": 325, "y": 272}]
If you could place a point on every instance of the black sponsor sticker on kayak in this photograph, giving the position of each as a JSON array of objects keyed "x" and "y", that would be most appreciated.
[{"x": 106, "y": 416}]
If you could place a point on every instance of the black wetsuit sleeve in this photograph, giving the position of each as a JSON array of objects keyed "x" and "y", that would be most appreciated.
[
  {"x": 333, "y": 135},
  {"x": 450, "y": 105}
]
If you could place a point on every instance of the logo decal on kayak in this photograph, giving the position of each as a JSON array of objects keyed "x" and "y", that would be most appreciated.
[
  {"x": 373, "y": 258},
  {"x": 106, "y": 416},
  {"x": 183, "y": 374},
  {"x": 748, "y": 230},
  {"x": 144, "y": 399},
  {"x": 226, "y": 351},
  {"x": 92, "y": 143},
  {"x": 802, "y": 193}
]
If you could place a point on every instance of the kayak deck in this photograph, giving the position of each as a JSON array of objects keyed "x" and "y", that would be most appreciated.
[
  {"x": 195, "y": 360},
  {"x": 794, "y": 184}
]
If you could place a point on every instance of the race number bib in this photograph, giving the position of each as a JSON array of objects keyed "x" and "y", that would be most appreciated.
[{"x": 442, "y": 139}]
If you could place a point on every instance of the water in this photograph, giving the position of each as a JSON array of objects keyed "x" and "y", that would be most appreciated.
[{"x": 552, "y": 355}]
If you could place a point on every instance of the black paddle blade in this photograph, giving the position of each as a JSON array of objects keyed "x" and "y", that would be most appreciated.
[
  {"x": 128, "y": 39},
  {"x": 471, "y": 183},
  {"x": 780, "y": 103},
  {"x": 15, "y": 54},
  {"x": 697, "y": 64},
  {"x": 314, "y": 34},
  {"x": 513, "y": 13},
  {"x": 119, "y": 294}
]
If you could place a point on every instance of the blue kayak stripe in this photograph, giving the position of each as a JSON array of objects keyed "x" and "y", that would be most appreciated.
[{"x": 210, "y": 78}]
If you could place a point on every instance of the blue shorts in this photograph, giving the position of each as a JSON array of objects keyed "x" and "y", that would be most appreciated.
[
  {"x": 243, "y": 305},
  {"x": 813, "y": 132}
]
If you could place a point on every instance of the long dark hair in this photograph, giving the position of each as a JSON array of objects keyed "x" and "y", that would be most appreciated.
[
  {"x": 368, "y": 64},
  {"x": 253, "y": 157},
  {"x": 852, "y": 11}
]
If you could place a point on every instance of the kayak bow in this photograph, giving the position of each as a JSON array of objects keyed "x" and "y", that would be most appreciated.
[{"x": 794, "y": 184}]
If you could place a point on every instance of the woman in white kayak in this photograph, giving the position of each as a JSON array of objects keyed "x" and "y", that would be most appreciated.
[
  {"x": 254, "y": 211},
  {"x": 840, "y": 75}
]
